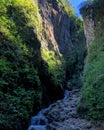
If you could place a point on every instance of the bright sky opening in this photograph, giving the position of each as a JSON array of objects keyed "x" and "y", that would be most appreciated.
[{"x": 76, "y": 4}]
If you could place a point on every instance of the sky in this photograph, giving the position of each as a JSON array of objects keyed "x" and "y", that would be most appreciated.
[{"x": 76, "y": 4}]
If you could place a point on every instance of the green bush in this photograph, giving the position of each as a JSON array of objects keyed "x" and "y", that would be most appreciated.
[
  {"x": 92, "y": 101},
  {"x": 66, "y": 4},
  {"x": 52, "y": 75},
  {"x": 22, "y": 66},
  {"x": 18, "y": 107},
  {"x": 75, "y": 58},
  {"x": 20, "y": 86},
  {"x": 55, "y": 67}
]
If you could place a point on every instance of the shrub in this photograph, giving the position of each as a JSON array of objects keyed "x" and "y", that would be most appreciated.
[
  {"x": 92, "y": 101},
  {"x": 55, "y": 67},
  {"x": 18, "y": 107},
  {"x": 66, "y": 5},
  {"x": 54, "y": 76},
  {"x": 20, "y": 86},
  {"x": 93, "y": 90},
  {"x": 75, "y": 58}
]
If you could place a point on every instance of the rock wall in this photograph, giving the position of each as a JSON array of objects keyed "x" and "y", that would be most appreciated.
[
  {"x": 62, "y": 33},
  {"x": 88, "y": 29},
  {"x": 88, "y": 23},
  {"x": 56, "y": 25}
]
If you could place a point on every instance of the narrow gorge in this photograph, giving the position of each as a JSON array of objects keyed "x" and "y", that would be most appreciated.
[{"x": 51, "y": 65}]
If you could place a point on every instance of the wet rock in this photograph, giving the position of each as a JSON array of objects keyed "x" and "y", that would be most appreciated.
[
  {"x": 88, "y": 126},
  {"x": 66, "y": 94},
  {"x": 51, "y": 127},
  {"x": 88, "y": 29},
  {"x": 53, "y": 115},
  {"x": 32, "y": 127},
  {"x": 63, "y": 115},
  {"x": 39, "y": 120},
  {"x": 56, "y": 25},
  {"x": 69, "y": 86},
  {"x": 72, "y": 127}
]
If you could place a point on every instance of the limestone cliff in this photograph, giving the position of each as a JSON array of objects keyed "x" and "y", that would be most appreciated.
[
  {"x": 56, "y": 23},
  {"x": 63, "y": 34},
  {"x": 88, "y": 29},
  {"x": 88, "y": 21},
  {"x": 92, "y": 100}
]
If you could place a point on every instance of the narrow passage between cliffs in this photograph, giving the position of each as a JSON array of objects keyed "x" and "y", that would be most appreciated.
[{"x": 62, "y": 115}]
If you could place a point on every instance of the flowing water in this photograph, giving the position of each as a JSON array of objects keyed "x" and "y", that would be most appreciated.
[
  {"x": 62, "y": 115},
  {"x": 40, "y": 121}
]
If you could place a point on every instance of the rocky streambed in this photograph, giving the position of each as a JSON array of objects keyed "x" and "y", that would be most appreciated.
[{"x": 62, "y": 115}]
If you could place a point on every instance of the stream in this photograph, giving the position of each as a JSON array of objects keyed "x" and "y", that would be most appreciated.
[
  {"x": 40, "y": 121},
  {"x": 62, "y": 115}
]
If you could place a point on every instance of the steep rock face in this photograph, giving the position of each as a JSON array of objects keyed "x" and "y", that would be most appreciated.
[
  {"x": 63, "y": 33},
  {"x": 88, "y": 21},
  {"x": 56, "y": 26},
  {"x": 88, "y": 29},
  {"x": 92, "y": 107}
]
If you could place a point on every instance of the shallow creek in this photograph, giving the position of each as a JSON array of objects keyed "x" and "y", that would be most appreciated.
[{"x": 62, "y": 115}]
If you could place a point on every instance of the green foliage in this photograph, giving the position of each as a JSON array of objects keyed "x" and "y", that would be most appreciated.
[
  {"x": 92, "y": 102},
  {"x": 75, "y": 59},
  {"x": 52, "y": 75},
  {"x": 20, "y": 89},
  {"x": 22, "y": 70},
  {"x": 93, "y": 90},
  {"x": 18, "y": 107},
  {"x": 55, "y": 67},
  {"x": 77, "y": 31},
  {"x": 20, "y": 60},
  {"x": 67, "y": 6}
]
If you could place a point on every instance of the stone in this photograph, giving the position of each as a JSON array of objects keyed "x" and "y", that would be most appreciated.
[
  {"x": 32, "y": 127},
  {"x": 56, "y": 23},
  {"x": 69, "y": 86},
  {"x": 88, "y": 29},
  {"x": 63, "y": 116}
]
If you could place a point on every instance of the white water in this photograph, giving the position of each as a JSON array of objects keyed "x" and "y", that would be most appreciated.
[
  {"x": 66, "y": 94},
  {"x": 40, "y": 122},
  {"x": 36, "y": 127}
]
